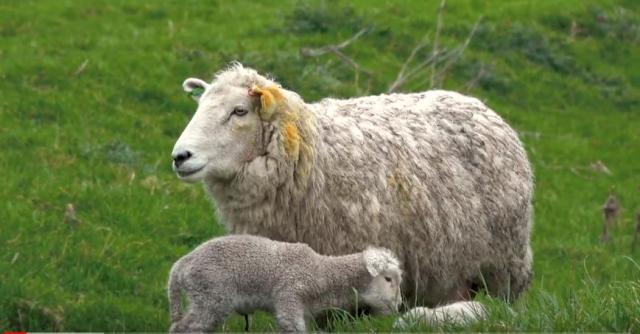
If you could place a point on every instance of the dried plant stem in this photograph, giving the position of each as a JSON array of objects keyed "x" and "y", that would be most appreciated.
[
  {"x": 336, "y": 50},
  {"x": 436, "y": 41},
  {"x": 471, "y": 84},
  {"x": 636, "y": 234},
  {"x": 437, "y": 76},
  {"x": 610, "y": 211},
  {"x": 456, "y": 55},
  {"x": 401, "y": 78}
]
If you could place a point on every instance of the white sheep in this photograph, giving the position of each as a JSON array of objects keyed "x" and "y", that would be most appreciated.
[
  {"x": 437, "y": 177},
  {"x": 242, "y": 273},
  {"x": 459, "y": 313}
]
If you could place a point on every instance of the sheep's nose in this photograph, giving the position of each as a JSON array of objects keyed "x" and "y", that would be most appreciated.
[{"x": 180, "y": 157}]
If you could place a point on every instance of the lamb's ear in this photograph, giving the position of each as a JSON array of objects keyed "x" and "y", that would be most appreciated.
[
  {"x": 270, "y": 99},
  {"x": 379, "y": 260},
  {"x": 195, "y": 88},
  {"x": 375, "y": 261}
]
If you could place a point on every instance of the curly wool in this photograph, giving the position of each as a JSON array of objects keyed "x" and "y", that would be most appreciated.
[
  {"x": 244, "y": 273},
  {"x": 437, "y": 177}
]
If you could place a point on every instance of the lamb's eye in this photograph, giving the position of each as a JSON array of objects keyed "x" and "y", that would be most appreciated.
[
  {"x": 388, "y": 279},
  {"x": 238, "y": 111}
]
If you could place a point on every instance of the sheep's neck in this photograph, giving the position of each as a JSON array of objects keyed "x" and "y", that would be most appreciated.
[
  {"x": 338, "y": 277},
  {"x": 247, "y": 204},
  {"x": 306, "y": 152}
]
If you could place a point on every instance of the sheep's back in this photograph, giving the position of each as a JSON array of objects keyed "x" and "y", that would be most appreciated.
[{"x": 436, "y": 176}]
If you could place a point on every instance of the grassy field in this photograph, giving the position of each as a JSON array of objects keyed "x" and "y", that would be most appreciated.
[{"x": 92, "y": 217}]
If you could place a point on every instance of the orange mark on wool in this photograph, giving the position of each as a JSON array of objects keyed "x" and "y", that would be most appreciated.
[
  {"x": 272, "y": 103},
  {"x": 270, "y": 98},
  {"x": 291, "y": 138}
]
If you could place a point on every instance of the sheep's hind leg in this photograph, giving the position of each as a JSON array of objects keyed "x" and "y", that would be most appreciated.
[
  {"x": 518, "y": 277},
  {"x": 201, "y": 318},
  {"x": 509, "y": 280}
]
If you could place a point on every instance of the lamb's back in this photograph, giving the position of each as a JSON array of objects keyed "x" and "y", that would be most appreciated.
[{"x": 250, "y": 263}]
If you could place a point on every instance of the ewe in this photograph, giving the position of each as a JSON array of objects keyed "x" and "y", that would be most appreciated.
[
  {"x": 244, "y": 273},
  {"x": 437, "y": 177}
]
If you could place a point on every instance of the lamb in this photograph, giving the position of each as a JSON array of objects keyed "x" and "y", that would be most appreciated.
[
  {"x": 243, "y": 273},
  {"x": 437, "y": 177},
  {"x": 459, "y": 313}
]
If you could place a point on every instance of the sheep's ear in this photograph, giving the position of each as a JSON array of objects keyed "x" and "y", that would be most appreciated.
[
  {"x": 270, "y": 99},
  {"x": 195, "y": 88},
  {"x": 378, "y": 260},
  {"x": 375, "y": 261}
]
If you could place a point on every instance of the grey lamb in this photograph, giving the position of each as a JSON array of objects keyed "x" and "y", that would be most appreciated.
[
  {"x": 242, "y": 273},
  {"x": 437, "y": 177}
]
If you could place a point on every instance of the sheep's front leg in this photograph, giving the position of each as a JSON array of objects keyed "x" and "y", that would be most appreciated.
[{"x": 290, "y": 316}]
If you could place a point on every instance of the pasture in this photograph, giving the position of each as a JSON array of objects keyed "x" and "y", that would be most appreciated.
[{"x": 92, "y": 217}]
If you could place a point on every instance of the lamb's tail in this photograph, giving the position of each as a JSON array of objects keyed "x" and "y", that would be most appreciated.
[{"x": 174, "y": 290}]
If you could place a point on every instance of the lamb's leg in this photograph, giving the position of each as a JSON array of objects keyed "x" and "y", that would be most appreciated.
[
  {"x": 415, "y": 316},
  {"x": 290, "y": 316},
  {"x": 457, "y": 309},
  {"x": 323, "y": 319},
  {"x": 246, "y": 322},
  {"x": 460, "y": 313},
  {"x": 202, "y": 317}
]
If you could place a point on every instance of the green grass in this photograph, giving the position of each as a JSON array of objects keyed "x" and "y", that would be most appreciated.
[{"x": 99, "y": 136}]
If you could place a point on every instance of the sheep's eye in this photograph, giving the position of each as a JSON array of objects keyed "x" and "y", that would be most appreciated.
[
  {"x": 240, "y": 111},
  {"x": 388, "y": 279}
]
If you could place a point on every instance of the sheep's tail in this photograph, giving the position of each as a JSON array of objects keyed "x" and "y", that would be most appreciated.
[{"x": 175, "y": 294}]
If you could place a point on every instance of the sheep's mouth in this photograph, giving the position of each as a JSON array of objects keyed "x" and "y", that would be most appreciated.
[{"x": 190, "y": 172}]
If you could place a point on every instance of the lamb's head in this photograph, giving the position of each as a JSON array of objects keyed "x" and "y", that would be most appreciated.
[
  {"x": 382, "y": 293},
  {"x": 232, "y": 125}
]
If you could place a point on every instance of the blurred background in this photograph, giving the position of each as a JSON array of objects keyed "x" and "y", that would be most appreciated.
[{"x": 92, "y": 217}]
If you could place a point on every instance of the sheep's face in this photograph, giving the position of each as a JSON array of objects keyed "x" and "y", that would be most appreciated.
[
  {"x": 382, "y": 293},
  {"x": 222, "y": 135}
]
